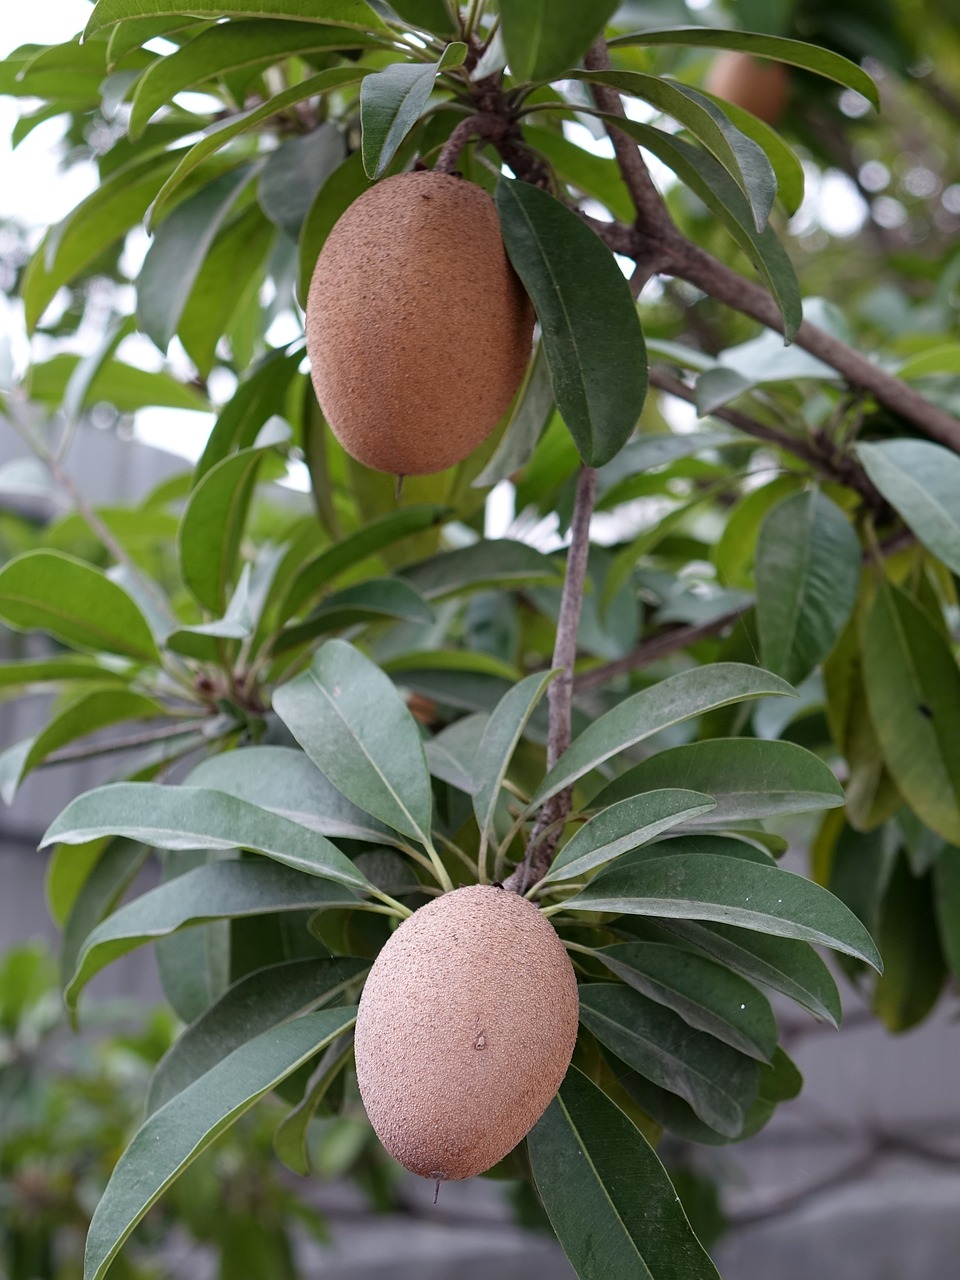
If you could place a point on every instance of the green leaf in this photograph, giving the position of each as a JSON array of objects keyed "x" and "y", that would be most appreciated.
[
  {"x": 531, "y": 411},
  {"x": 341, "y": 188},
  {"x": 913, "y": 691},
  {"x": 213, "y": 892},
  {"x": 117, "y": 204},
  {"x": 285, "y": 781},
  {"x": 921, "y": 480},
  {"x": 371, "y": 601},
  {"x": 290, "y": 1138},
  {"x": 212, "y": 526},
  {"x": 122, "y": 385},
  {"x": 747, "y": 777},
  {"x": 786, "y": 164},
  {"x": 252, "y": 404},
  {"x": 86, "y": 714},
  {"x": 545, "y": 37},
  {"x": 75, "y": 603},
  {"x": 700, "y": 886},
  {"x": 718, "y": 1082},
  {"x": 705, "y": 994},
  {"x": 484, "y": 564},
  {"x": 230, "y": 47},
  {"x": 781, "y": 964},
  {"x": 501, "y": 734},
  {"x": 260, "y": 1000},
  {"x": 17, "y": 678},
  {"x": 392, "y": 101},
  {"x": 451, "y": 753},
  {"x": 743, "y": 159},
  {"x": 708, "y": 179},
  {"x": 946, "y": 879},
  {"x": 371, "y": 538},
  {"x": 197, "y": 818},
  {"x": 176, "y": 1134},
  {"x": 224, "y": 131},
  {"x": 808, "y": 574},
  {"x": 811, "y": 57},
  {"x": 345, "y": 13},
  {"x": 607, "y": 1195},
  {"x": 177, "y": 254},
  {"x": 231, "y": 270},
  {"x": 914, "y": 968},
  {"x": 425, "y": 15},
  {"x": 625, "y": 826},
  {"x": 590, "y": 328},
  {"x": 108, "y": 879},
  {"x": 678, "y": 698},
  {"x": 355, "y": 727}
]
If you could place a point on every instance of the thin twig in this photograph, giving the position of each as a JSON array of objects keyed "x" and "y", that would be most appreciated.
[
  {"x": 124, "y": 744},
  {"x": 542, "y": 843}
]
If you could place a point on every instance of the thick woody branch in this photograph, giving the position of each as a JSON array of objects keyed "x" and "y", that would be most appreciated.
[
  {"x": 549, "y": 825},
  {"x": 816, "y": 452}
]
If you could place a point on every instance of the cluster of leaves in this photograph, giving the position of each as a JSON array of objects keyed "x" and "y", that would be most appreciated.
[{"x": 312, "y": 808}]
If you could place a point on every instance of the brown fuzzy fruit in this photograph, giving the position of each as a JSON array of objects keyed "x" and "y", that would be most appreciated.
[
  {"x": 418, "y": 328},
  {"x": 465, "y": 1031},
  {"x": 757, "y": 85}
]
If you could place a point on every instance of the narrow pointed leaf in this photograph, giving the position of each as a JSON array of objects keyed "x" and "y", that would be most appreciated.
[
  {"x": 375, "y": 600},
  {"x": 195, "y": 818},
  {"x": 705, "y": 994},
  {"x": 590, "y": 329},
  {"x": 501, "y": 734},
  {"x": 913, "y": 691},
  {"x": 717, "y": 1081},
  {"x": 346, "y": 13},
  {"x": 697, "y": 886},
  {"x": 545, "y": 37},
  {"x": 176, "y": 1134},
  {"x": 351, "y": 721},
  {"x": 797, "y": 53},
  {"x": 392, "y": 101},
  {"x": 101, "y": 890},
  {"x": 678, "y": 698},
  {"x": 607, "y": 1195},
  {"x": 290, "y": 1139},
  {"x": 946, "y": 879},
  {"x": 285, "y": 781},
  {"x": 499, "y": 562},
  {"x": 260, "y": 1000},
  {"x": 213, "y": 892},
  {"x": 922, "y": 481},
  {"x": 808, "y": 574},
  {"x": 624, "y": 826},
  {"x": 75, "y": 603},
  {"x": 748, "y": 778}
]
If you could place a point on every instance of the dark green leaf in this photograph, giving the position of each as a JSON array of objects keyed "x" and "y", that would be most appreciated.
[
  {"x": 260, "y": 1000},
  {"x": 748, "y": 778},
  {"x": 590, "y": 329},
  {"x": 808, "y": 573},
  {"x": 608, "y": 1197},
  {"x": 625, "y": 826},
  {"x": 545, "y": 37},
  {"x": 110, "y": 876},
  {"x": 255, "y": 400},
  {"x": 501, "y": 733},
  {"x": 698, "y": 886},
  {"x": 346, "y": 13},
  {"x": 529, "y": 415},
  {"x": 392, "y": 101},
  {"x": 946, "y": 879},
  {"x": 913, "y": 689},
  {"x": 290, "y": 1139},
  {"x": 72, "y": 601},
  {"x": 371, "y": 601},
  {"x": 27, "y": 674},
  {"x": 717, "y": 1081},
  {"x": 703, "y": 993},
  {"x": 177, "y": 1133},
  {"x": 922, "y": 481},
  {"x": 196, "y": 818},
  {"x": 811, "y": 57},
  {"x": 496, "y": 563},
  {"x": 678, "y": 698},
  {"x": 913, "y": 963},
  {"x": 295, "y": 172},
  {"x": 351, "y": 721},
  {"x": 213, "y": 892}
]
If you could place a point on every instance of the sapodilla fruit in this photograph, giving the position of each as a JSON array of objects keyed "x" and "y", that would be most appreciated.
[
  {"x": 759, "y": 86},
  {"x": 466, "y": 1028},
  {"x": 418, "y": 328}
]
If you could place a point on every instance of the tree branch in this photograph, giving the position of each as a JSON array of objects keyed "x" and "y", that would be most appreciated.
[
  {"x": 549, "y": 825},
  {"x": 148, "y": 736},
  {"x": 817, "y": 452}
]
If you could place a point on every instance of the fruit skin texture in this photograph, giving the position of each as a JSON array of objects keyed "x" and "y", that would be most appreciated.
[
  {"x": 418, "y": 328},
  {"x": 757, "y": 85},
  {"x": 465, "y": 1031}
]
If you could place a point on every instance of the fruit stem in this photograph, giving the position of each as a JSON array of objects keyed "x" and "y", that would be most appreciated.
[
  {"x": 391, "y": 907},
  {"x": 439, "y": 870}
]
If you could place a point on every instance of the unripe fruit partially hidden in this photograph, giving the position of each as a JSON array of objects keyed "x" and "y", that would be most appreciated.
[
  {"x": 759, "y": 86},
  {"x": 418, "y": 328},
  {"x": 465, "y": 1031}
]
